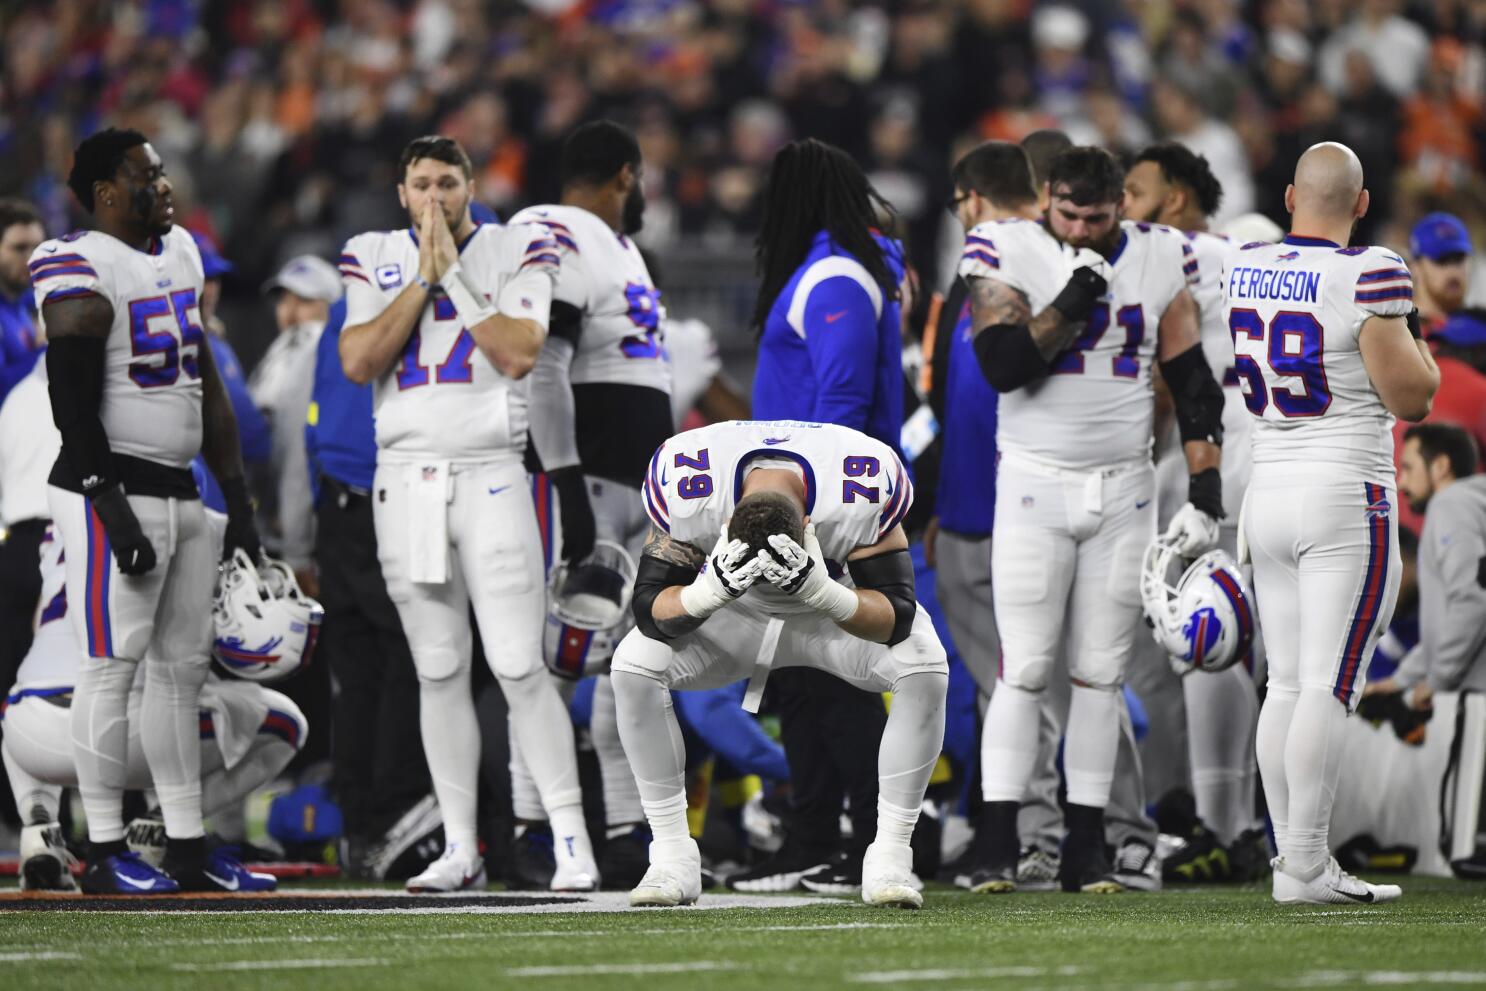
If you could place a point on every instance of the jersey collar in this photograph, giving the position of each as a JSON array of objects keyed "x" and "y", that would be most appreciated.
[
  {"x": 1309, "y": 242},
  {"x": 774, "y": 452},
  {"x": 1120, "y": 248}
]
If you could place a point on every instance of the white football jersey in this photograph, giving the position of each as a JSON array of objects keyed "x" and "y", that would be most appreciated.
[
  {"x": 856, "y": 489},
  {"x": 53, "y": 657},
  {"x": 443, "y": 398},
  {"x": 1095, "y": 406},
  {"x": 1295, "y": 310},
  {"x": 605, "y": 278},
  {"x": 152, "y": 380},
  {"x": 1213, "y": 251}
]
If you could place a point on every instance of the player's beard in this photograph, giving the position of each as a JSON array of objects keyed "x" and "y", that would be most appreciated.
[{"x": 633, "y": 220}]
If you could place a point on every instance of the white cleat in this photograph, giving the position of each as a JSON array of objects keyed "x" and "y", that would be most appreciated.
[
  {"x": 46, "y": 863},
  {"x": 1333, "y": 886},
  {"x": 674, "y": 877},
  {"x": 577, "y": 870},
  {"x": 456, "y": 870},
  {"x": 888, "y": 878}
]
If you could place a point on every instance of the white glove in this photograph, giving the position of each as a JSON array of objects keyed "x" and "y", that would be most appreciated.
[
  {"x": 1192, "y": 531},
  {"x": 728, "y": 573},
  {"x": 801, "y": 572},
  {"x": 1089, "y": 258}
]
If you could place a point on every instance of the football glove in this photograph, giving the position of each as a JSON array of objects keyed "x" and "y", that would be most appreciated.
[
  {"x": 578, "y": 528},
  {"x": 132, "y": 549},
  {"x": 1192, "y": 531},
  {"x": 729, "y": 572},
  {"x": 801, "y": 572}
]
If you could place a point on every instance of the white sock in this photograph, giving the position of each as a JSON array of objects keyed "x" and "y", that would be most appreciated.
[
  {"x": 1090, "y": 746},
  {"x": 1222, "y": 715},
  {"x": 621, "y": 794},
  {"x": 1274, "y": 729},
  {"x": 170, "y": 735},
  {"x": 911, "y": 740},
  {"x": 451, "y": 743},
  {"x": 667, "y": 818},
  {"x": 895, "y": 823},
  {"x": 526, "y": 801},
  {"x": 544, "y": 733},
  {"x": 1313, "y": 757},
  {"x": 1008, "y": 743},
  {"x": 36, "y": 801},
  {"x": 100, "y": 742}
]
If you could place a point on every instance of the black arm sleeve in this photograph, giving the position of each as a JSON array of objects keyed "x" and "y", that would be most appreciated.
[
  {"x": 944, "y": 336},
  {"x": 1008, "y": 357},
  {"x": 652, "y": 577},
  {"x": 892, "y": 575},
  {"x": 1196, "y": 394},
  {"x": 74, "y": 368},
  {"x": 565, "y": 322}
]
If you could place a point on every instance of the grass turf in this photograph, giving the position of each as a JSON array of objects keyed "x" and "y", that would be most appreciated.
[{"x": 1179, "y": 940}]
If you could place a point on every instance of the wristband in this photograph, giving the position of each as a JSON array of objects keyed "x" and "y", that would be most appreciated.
[
  {"x": 1205, "y": 492},
  {"x": 471, "y": 305},
  {"x": 836, "y": 601},
  {"x": 700, "y": 600},
  {"x": 421, "y": 282}
]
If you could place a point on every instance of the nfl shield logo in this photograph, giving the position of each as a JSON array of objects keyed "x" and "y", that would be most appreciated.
[
  {"x": 1028, "y": 502},
  {"x": 430, "y": 472}
]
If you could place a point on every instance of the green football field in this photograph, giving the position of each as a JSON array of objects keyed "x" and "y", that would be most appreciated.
[{"x": 1180, "y": 940}]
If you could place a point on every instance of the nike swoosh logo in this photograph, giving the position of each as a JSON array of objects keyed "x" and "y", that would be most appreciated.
[
  {"x": 499, "y": 489},
  {"x": 1139, "y": 504},
  {"x": 139, "y": 885},
  {"x": 833, "y": 317},
  {"x": 1365, "y": 898},
  {"x": 771, "y": 441},
  {"x": 231, "y": 885}
]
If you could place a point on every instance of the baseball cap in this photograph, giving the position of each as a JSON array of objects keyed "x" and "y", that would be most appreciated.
[
  {"x": 1465, "y": 329},
  {"x": 1438, "y": 235},
  {"x": 309, "y": 276},
  {"x": 213, "y": 264}
]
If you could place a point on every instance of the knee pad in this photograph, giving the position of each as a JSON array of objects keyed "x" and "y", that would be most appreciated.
[
  {"x": 439, "y": 664},
  {"x": 637, "y": 654},
  {"x": 1027, "y": 673},
  {"x": 920, "y": 652},
  {"x": 1098, "y": 667},
  {"x": 513, "y": 666}
]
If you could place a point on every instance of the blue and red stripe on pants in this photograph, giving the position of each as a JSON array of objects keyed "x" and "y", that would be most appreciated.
[{"x": 1374, "y": 591}]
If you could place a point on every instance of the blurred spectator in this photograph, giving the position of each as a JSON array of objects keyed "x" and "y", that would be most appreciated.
[
  {"x": 1181, "y": 117},
  {"x": 20, "y": 335},
  {"x": 1438, "y": 139},
  {"x": 281, "y": 385},
  {"x": 1397, "y": 47},
  {"x": 1440, "y": 249}
]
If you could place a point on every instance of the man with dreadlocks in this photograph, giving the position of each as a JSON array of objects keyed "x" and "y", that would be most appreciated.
[{"x": 830, "y": 351}]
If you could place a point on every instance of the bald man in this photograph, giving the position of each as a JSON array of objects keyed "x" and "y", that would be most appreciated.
[{"x": 1327, "y": 351}]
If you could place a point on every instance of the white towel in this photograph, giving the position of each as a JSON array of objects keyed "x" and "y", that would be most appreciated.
[
  {"x": 429, "y": 491},
  {"x": 755, "y": 693}
]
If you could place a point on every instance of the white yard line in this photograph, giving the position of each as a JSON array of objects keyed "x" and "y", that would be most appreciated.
[
  {"x": 42, "y": 955},
  {"x": 981, "y": 973},
  {"x": 1385, "y": 978},
  {"x": 591, "y": 970},
  {"x": 311, "y": 964}
]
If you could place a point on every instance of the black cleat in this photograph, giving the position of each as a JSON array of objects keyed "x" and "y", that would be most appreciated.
[
  {"x": 625, "y": 857},
  {"x": 1086, "y": 868},
  {"x": 781, "y": 872},
  {"x": 533, "y": 861},
  {"x": 841, "y": 876}
]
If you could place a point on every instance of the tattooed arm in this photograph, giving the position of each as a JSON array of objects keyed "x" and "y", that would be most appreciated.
[
  {"x": 1015, "y": 348},
  {"x": 666, "y": 567}
]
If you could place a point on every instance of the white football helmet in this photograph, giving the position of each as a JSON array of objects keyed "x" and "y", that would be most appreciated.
[
  {"x": 265, "y": 627},
  {"x": 588, "y": 610},
  {"x": 1206, "y": 621}
]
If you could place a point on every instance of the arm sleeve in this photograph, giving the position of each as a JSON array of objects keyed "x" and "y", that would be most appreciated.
[
  {"x": 1454, "y": 629},
  {"x": 840, "y": 328},
  {"x": 717, "y": 717},
  {"x": 1384, "y": 286},
  {"x": 554, "y": 417}
]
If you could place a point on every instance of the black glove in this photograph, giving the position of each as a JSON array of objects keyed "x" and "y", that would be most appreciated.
[
  {"x": 578, "y": 531},
  {"x": 1084, "y": 289},
  {"x": 1205, "y": 491},
  {"x": 242, "y": 531},
  {"x": 132, "y": 549}
]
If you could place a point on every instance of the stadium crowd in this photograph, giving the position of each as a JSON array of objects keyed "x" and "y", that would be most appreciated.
[{"x": 280, "y": 123}]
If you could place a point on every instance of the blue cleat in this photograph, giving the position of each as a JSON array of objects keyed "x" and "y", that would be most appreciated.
[
  {"x": 224, "y": 872},
  {"x": 126, "y": 874}
]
